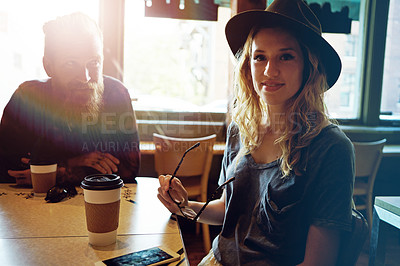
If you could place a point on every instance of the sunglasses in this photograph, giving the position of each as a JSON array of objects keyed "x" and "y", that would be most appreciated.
[
  {"x": 60, "y": 192},
  {"x": 187, "y": 212}
]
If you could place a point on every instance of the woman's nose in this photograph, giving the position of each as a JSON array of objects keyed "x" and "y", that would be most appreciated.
[{"x": 271, "y": 69}]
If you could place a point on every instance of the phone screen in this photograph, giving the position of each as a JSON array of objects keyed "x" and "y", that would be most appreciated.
[{"x": 143, "y": 257}]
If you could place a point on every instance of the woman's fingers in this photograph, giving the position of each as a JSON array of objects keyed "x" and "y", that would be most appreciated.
[
  {"x": 162, "y": 192},
  {"x": 164, "y": 181},
  {"x": 176, "y": 184},
  {"x": 167, "y": 203},
  {"x": 171, "y": 192},
  {"x": 166, "y": 200},
  {"x": 177, "y": 191}
]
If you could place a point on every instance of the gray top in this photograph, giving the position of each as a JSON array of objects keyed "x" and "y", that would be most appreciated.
[{"x": 267, "y": 218}]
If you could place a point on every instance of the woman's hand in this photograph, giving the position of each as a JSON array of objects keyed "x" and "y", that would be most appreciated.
[
  {"x": 105, "y": 163},
  {"x": 177, "y": 191}
]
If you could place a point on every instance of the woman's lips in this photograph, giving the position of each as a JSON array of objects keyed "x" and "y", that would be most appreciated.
[{"x": 271, "y": 86}]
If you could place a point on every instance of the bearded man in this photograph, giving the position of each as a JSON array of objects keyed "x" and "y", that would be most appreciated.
[{"x": 78, "y": 118}]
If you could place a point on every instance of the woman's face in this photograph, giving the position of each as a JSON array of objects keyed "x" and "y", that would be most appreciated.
[{"x": 276, "y": 66}]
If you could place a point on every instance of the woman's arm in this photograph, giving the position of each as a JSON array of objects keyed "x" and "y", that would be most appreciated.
[
  {"x": 214, "y": 213},
  {"x": 322, "y": 246}
]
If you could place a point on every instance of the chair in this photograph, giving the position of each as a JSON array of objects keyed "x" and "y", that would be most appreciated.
[
  {"x": 368, "y": 158},
  {"x": 194, "y": 171},
  {"x": 352, "y": 242}
]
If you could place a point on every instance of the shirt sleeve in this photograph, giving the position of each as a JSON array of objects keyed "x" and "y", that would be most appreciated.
[
  {"x": 230, "y": 152},
  {"x": 16, "y": 136},
  {"x": 331, "y": 197}
]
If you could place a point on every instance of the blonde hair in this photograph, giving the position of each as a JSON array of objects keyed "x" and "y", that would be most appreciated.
[{"x": 303, "y": 119}]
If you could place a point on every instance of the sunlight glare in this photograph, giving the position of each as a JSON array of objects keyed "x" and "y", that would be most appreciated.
[{"x": 23, "y": 40}]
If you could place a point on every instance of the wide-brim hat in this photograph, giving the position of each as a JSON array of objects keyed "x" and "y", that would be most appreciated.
[{"x": 292, "y": 14}]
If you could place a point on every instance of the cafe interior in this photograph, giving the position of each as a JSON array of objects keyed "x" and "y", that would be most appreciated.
[{"x": 173, "y": 57}]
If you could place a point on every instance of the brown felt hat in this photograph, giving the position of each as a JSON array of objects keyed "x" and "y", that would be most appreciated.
[{"x": 292, "y": 14}]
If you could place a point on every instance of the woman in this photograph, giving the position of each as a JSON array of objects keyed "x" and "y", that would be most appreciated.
[{"x": 294, "y": 169}]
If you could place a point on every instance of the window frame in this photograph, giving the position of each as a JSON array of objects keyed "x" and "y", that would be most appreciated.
[{"x": 374, "y": 43}]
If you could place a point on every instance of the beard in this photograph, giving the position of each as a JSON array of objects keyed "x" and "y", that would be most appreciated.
[{"x": 83, "y": 102}]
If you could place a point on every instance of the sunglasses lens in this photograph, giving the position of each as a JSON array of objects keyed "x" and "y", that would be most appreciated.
[
  {"x": 60, "y": 192},
  {"x": 56, "y": 194}
]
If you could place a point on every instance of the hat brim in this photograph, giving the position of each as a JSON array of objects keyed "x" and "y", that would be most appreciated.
[{"x": 238, "y": 28}]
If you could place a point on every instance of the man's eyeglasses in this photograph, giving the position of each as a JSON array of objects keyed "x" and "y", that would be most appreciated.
[{"x": 187, "y": 212}]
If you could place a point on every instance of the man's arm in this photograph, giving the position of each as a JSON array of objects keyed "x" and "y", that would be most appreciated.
[{"x": 15, "y": 138}]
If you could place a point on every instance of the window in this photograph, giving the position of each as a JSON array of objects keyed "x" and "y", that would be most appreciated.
[
  {"x": 22, "y": 39},
  {"x": 343, "y": 100},
  {"x": 390, "y": 103},
  {"x": 175, "y": 65},
  {"x": 346, "y": 91},
  {"x": 346, "y": 45}
]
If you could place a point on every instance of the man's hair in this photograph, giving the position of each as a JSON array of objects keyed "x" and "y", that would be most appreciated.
[{"x": 73, "y": 26}]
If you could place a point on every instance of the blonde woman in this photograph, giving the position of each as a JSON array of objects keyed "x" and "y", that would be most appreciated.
[{"x": 291, "y": 198}]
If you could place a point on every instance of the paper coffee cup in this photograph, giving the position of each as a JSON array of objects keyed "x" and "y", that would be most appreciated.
[
  {"x": 102, "y": 195},
  {"x": 43, "y": 178}
]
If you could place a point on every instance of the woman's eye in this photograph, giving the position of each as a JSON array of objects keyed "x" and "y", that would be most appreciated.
[
  {"x": 286, "y": 57},
  {"x": 259, "y": 57}
]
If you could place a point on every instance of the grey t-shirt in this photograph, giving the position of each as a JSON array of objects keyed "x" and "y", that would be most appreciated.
[{"x": 267, "y": 218}]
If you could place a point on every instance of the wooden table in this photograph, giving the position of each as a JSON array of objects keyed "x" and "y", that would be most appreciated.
[
  {"x": 33, "y": 232},
  {"x": 386, "y": 216}
]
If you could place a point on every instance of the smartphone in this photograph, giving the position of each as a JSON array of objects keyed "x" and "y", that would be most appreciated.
[{"x": 151, "y": 256}]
